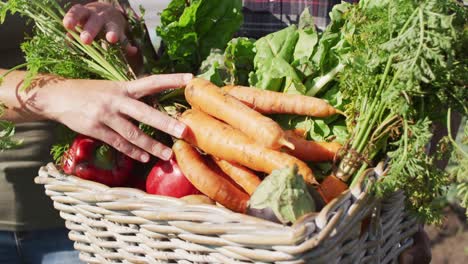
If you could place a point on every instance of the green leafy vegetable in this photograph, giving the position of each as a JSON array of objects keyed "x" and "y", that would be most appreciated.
[
  {"x": 285, "y": 192},
  {"x": 239, "y": 53},
  {"x": 231, "y": 66},
  {"x": 173, "y": 11},
  {"x": 7, "y": 141},
  {"x": 190, "y": 29},
  {"x": 272, "y": 60},
  {"x": 300, "y": 60},
  {"x": 214, "y": 69},
  {"x": 305, "y": 46}
]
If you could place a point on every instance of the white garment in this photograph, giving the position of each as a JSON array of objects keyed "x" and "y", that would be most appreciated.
[{"x": 153, "y": 9}]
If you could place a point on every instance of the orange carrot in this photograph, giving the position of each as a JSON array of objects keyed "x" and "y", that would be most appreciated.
[
  {"x": 270, "y": 102},
  {"x": 208, "y": 181},
  {"x": 331, "y": 187},
  {"x": 209, "y": 98},
  {"x": 225, "y": 142},
  {"x": 240, "y": 174},
  {"x": 209, "y": 161},
  {"x": 311, "y": 150}
]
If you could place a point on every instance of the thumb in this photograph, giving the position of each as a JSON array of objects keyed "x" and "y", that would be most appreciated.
[{"x": 157, "y": 83}]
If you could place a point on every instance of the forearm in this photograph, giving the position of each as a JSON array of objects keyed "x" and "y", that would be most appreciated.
[
  {"x": 16, "y": 102},
  {"x": 25, "y": 105}
]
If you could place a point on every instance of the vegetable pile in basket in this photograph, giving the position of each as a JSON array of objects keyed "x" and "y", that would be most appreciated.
[{"x": 280, "y": 125}]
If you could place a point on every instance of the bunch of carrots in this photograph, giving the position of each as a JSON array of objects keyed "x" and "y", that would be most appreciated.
[{"x": 231, "y": 142}]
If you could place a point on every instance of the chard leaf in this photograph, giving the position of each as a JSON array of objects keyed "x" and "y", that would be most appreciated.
[
  {"x": 278, "y": 44},
  {"x": 308, "y": 37},
  {"x": 202, "y": 26},
  {"x": 273, "y": 58},
  {"x": 306, "y": 21},
  {"x": 274, "y": 74},
  {"x": 240, "y": 53},
  {"x": 232, "y": 66},
  {"x": 305, "y": 46},
  {"x": 173, "y": 12},
  {"x": 213, "y": 68}
]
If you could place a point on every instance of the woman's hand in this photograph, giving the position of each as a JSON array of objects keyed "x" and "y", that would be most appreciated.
[
  {"x": 96, "y": 17},
  {"x": 97, "y": 108},
  {"x": 103, "y": 109}
]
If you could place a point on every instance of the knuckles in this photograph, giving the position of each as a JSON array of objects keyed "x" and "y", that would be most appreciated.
[
  {"x": 156, "y": 148},
  {"x": 121, "y": 145},
  {"x": 132, "y": 134}
]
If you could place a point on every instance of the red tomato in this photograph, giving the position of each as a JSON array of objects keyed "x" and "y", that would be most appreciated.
[{"x": 166, "y": 178}]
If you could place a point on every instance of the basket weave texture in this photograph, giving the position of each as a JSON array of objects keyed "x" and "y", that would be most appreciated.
[{"x": 124, "y": 225}]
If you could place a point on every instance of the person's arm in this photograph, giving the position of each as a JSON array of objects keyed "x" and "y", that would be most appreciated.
[{"x": 97, "y": 108}]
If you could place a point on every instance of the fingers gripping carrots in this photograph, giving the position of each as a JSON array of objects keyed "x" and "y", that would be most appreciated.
[
  {"x": 270, "y": 102},
  {"x": 207, "y": 180},
  {"x": 311, "y": 150},
  {"x": 227, "y": 143},
  {"x": 209, "y": 98},
  {"x": 241, "y": 175}
]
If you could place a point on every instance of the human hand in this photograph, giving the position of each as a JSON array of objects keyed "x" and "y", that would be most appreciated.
[
  {"x": 104, "y": 109},
  {"x": 96, "y": 17},
  {"x": 419, "y": 252}
]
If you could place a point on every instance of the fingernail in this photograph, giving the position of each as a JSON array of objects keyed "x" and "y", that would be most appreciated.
[
  {"x": 144, "y": 157},
  {"x": 112, "y": 37},
  {"x": 166, "y": 154},
  {"x": 179, "y": 130},
  {"x": 67, "y": 23},
  {"x": 85, "y": 37}
]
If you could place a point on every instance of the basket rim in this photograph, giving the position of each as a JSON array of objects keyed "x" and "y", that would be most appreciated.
[{"x": 138, "y": 199}]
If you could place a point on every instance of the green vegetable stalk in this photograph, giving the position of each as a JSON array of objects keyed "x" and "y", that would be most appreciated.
[
  {"x": 107, "y": 63},
  {"x": 404, "y": 61}
]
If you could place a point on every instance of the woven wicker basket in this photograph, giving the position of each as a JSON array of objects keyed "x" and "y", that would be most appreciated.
[{"x": 123, "y": 225}]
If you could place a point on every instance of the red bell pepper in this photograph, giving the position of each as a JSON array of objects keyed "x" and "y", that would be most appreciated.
[{"x": 93, "y": 160}]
